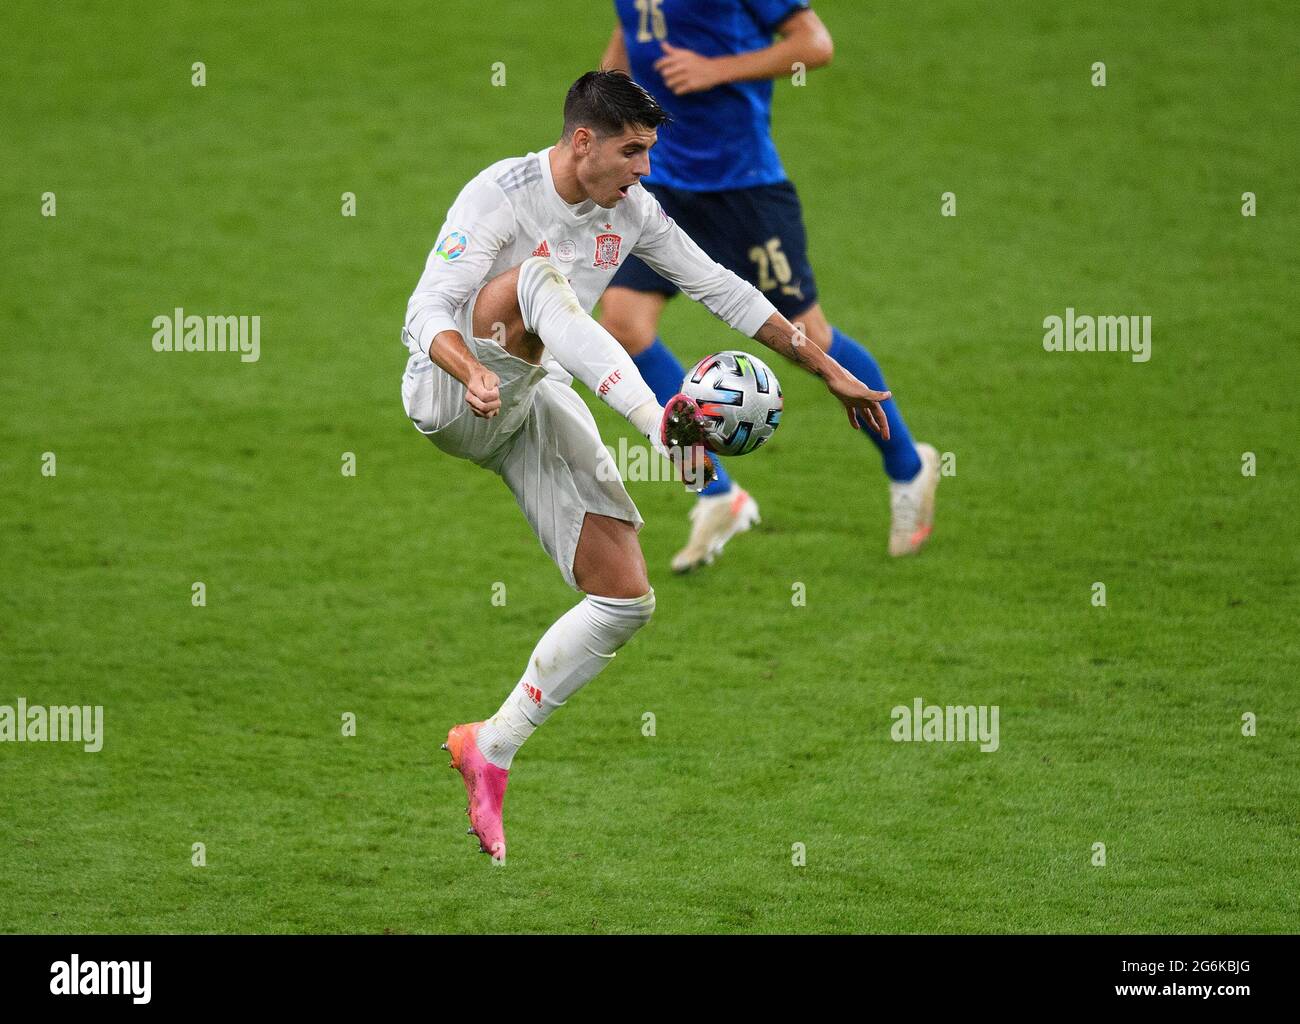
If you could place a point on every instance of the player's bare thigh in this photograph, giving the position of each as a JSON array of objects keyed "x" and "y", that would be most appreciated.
[
  {"x": 497, "y": 316},
  {"x": 609, "y": 562},
  {"x": 632, "y": 316},
  {"x": 812, "y": 321}
]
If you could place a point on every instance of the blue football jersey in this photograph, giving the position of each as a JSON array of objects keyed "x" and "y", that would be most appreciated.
[{"x": 722, "y": 138}]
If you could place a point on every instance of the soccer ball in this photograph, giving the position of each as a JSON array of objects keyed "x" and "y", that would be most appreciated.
[{"x": 739, "y": 396}]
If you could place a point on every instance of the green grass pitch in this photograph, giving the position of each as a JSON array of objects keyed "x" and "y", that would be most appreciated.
[{"x": 372, "y": 595}]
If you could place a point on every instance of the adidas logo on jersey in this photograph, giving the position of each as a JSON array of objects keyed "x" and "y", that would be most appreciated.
[{"x": 543, "y": 250}]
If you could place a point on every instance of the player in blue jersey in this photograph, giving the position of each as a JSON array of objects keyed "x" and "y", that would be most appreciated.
[{"x": 716, "y": 172}]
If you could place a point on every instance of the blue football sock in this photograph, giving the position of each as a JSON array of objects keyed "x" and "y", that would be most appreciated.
[
  {"x": 901, "y": 459},
  {"x": 661, "y": 370}
]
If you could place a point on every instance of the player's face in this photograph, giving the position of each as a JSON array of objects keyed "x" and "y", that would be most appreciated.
[{"x": 614, "y": 164}]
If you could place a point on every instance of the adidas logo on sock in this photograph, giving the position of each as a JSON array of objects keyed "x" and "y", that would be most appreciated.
[{"x": 534, "y": 694}]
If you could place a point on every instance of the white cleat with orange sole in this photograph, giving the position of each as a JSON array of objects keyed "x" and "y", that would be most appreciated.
[
  {"x": 715, "y": 519},
  {"x": 911, "y": 505}
]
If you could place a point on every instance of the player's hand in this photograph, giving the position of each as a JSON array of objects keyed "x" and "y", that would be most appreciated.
[
  {"x": 860, "y": 402},
  {"x": 686, "y": 71},
  {"x": 481, "y": 393}
]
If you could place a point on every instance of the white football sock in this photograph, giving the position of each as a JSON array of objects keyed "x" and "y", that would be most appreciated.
[
  {"x": 578, "y": 645},
  {"x": 552, "y": 312}
]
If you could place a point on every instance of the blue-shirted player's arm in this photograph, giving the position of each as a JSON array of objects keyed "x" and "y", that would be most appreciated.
[
  {"x": 615, "y": 56},
  {"x": 804, "y": 40}
]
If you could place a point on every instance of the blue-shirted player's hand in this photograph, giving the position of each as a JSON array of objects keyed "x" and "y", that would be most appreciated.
[{"x": 686, "y": 71}]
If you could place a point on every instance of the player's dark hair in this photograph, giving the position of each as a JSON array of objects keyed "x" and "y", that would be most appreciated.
[{"x": 608, "y": 102}]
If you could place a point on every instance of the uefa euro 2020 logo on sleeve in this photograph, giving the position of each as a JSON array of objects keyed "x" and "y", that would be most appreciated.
[{"x": 452, "y": 247}]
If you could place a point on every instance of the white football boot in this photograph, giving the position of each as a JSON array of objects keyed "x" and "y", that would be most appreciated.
[
  {"x": 715, "y": 519},
  {"x": 911, "y": 505}
]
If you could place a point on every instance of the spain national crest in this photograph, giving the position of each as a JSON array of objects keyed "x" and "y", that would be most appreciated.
[{"x": 607, "y": 250}]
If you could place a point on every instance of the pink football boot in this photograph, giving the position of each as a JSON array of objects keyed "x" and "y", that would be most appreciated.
[
  {"x": 682, "y": 432},
  {"x": 485, "y": 785}
]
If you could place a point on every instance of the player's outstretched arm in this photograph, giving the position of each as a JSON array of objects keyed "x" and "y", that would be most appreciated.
[
  {"x": 804, "y": 40},
  {"x": 665, "y": 247},
  {"x": 860, "y": 402}
]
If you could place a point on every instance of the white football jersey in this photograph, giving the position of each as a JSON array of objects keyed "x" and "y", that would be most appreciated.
[{"x": 511, "y": 211}]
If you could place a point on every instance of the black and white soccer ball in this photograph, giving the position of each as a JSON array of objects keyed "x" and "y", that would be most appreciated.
[{"x": 739, "y": 397}]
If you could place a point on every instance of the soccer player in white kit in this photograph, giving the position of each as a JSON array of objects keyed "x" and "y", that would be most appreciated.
[{"x": 500, "y": 324}]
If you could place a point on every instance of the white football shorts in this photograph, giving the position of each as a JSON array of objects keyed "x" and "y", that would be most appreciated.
[{"x": 543, "y": 443}]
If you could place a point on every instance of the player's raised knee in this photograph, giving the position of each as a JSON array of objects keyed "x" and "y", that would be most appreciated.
[
  {"x": 537, "y": 272},
  {"x": 540, "y": 282}
]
